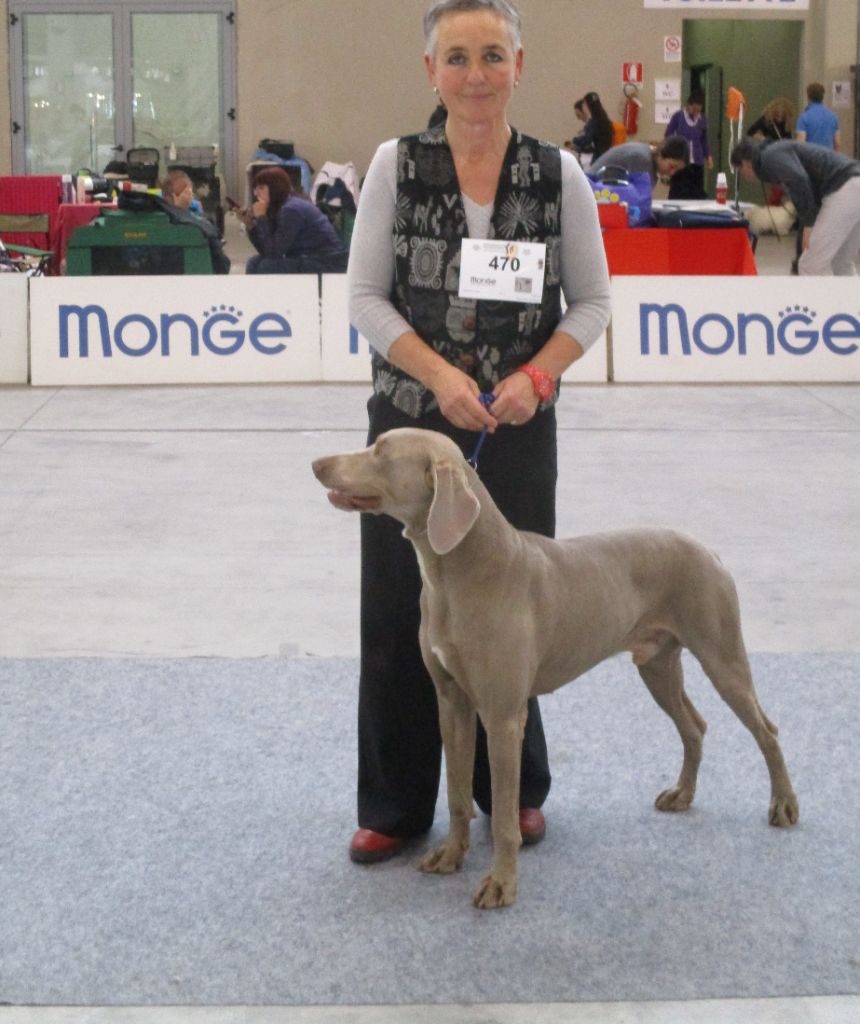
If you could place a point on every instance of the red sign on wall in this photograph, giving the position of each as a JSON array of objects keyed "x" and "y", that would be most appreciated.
[{"x": 632, "y": 72}]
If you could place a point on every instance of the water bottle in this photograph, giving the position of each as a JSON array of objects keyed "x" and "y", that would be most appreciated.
[
  {"x": 68, "y": 189},
  {"x": 722, "y": 188}
]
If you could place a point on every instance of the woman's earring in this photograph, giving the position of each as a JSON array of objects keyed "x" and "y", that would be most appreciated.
[{"x": 436, "y": 89}]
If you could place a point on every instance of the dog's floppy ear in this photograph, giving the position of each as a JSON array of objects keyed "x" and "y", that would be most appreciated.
[{"x": 454, "y": 510}]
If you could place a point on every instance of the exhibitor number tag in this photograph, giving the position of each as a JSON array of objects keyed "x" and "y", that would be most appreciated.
[{"x": 502, "y": 271}]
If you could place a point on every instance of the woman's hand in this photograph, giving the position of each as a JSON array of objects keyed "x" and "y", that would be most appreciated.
[
  {"x": 261, "y": 205},
  {"x": 245, "y": 215},
  {"x": 459, "y": 400},
  {"x": 516, "y": 401}
]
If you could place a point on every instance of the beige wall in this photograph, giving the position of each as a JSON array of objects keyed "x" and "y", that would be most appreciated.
[
  {"x": 348, "y": 74},
  {"x": 339, "y": 76}
]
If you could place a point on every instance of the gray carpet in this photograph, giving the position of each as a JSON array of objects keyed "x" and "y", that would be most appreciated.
[{"x": 174, "y": 832}]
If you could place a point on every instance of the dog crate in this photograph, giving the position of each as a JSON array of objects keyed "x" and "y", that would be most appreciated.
[{"x": 120, "y": 242}]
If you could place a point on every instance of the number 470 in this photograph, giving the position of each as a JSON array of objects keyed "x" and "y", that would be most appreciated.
[{"x": 501, "y": 263}]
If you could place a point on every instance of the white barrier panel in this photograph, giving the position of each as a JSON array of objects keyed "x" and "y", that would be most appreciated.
[
  {"x": 13, "y": 328},
  {"x": 592, "y": 368},
  {"x": 738, "y": 329},
  {"x": 345, "y": 352},
  {"x": 185, "y": 330}
]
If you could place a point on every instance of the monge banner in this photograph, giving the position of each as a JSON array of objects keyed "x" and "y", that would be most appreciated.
[
  {"x": 346, "y": 353},
  {"x": 175, "y": 330},
  {"x": 736, "y": 329}
]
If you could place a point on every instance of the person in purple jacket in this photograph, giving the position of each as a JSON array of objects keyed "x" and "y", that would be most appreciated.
[
  {"x": 290, "y": 234},
  {"x": 691, "y": 123}
]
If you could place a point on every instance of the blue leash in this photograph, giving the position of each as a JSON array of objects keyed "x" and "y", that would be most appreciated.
[{"x": 486, "y": 400}]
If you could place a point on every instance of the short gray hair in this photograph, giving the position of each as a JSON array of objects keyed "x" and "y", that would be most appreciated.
[{"x": 504, "y": 8}]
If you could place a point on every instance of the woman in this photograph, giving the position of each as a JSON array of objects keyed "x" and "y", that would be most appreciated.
[
  {"x": 596, "y": 137},
  {"x": 289, "y": 233},
  {"x": 775, "y": 122},
  {"x": 435, "y": 353},
  {"x": 691, "y": 123}
]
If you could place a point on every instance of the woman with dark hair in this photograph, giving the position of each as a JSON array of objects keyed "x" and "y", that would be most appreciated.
[
  {"x": 290, "y": 234},
  {"x": 596, "y": 137}
]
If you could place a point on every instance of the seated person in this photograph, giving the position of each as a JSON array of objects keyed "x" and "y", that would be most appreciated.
[
  {"x": 661, "y": 161},
  {"x": 177, "y": 191},
  {"x": 289, "y": 233}
]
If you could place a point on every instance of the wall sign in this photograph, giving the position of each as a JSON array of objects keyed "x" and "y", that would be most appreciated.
[
  {"x": 631, "y": 73},
  {"x": 667, "y": 90},
  {"x": 672, "y": 49},
  {"x": 774, "y": 6}
]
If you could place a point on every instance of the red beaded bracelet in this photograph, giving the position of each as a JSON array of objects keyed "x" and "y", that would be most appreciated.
[{"x": 542, "y": 382}]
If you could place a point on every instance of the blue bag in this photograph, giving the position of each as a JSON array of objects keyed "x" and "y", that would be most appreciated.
[{"x": 633, "y": 188}]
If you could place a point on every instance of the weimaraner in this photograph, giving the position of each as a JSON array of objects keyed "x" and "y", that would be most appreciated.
[{"x": 507, "y": 614}]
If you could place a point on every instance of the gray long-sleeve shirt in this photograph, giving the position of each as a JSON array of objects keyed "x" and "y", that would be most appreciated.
[
  {"x": 584, "y": 277},
  {"x": 809, "y": 173},
  {"x": 629, "y": 156}
]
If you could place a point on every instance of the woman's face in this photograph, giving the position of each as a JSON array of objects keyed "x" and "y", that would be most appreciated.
[
  {"x": 261, "y": 193},
  {"x": 474, "y": 65}
]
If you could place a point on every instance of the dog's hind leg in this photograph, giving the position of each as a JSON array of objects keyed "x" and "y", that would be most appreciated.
[
  {"x": 733, "y": 681},
  {"x": 664, "y": 677}
]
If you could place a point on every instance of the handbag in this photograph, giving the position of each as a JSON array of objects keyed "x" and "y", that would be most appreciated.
[{"x": 631, "y": 188}]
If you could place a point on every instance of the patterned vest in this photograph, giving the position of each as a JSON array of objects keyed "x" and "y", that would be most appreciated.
[{"x": 486, "y": 339}]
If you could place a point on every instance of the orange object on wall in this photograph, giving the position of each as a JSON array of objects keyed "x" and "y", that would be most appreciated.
[{"x": 677, "y": 251}]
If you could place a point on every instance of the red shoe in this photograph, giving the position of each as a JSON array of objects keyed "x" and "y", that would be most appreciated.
[
  {"x": 369, "y": 847},
  {"x": 532, "y": 825}
]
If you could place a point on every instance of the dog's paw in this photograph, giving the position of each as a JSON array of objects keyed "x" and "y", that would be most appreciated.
[
  {"x": 494, "y": 892},
  {"x": 674, "y": 799},
  {"x": 784, "y": 811},
  {"x": 443, "y": 860}
]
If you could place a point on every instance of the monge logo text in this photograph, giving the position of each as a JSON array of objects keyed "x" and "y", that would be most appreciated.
[
  {"x": 218, "y": 331},
  {"x": 796, "y": 331}
]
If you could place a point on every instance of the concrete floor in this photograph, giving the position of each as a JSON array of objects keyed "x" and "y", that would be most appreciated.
[{"x": 185, "y": 522}]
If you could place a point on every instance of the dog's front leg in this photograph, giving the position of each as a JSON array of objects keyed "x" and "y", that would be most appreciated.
[
  {"x": 457, "y": 724},
  {"x": 504, "y": 746}
]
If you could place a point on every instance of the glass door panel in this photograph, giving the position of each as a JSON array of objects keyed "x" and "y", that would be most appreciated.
[
  {"x": 68, "y": 92},
  {"x": 177, "y": 92}
]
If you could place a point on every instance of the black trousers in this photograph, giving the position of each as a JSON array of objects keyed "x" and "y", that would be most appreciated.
[
  {"x": 688, "y": 183},
  {"x": 399, "y": 744}
]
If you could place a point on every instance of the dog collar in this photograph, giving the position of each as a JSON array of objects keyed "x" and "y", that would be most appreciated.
[{"x": 542, "y": 382}]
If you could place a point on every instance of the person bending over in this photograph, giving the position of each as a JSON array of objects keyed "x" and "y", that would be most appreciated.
[
  {"x": 825, "y": 188},
  {"x": 660, "y": 162}
]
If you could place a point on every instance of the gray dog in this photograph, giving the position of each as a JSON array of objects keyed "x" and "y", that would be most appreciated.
[{"x": 554, "y": 609}]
